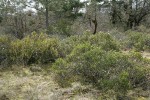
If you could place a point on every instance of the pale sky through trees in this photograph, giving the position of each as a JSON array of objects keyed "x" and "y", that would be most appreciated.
[{"x": 31, "y": 3}]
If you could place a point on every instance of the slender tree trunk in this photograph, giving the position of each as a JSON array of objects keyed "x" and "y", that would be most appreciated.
[
  {"x": 95, "y": 25},
  {"x": 114, "y": 13},
  {"x": 130, "y": 19},
  {"x": 95, "y": 22},
  {"x": 25, "y": 24},
  {"x": 46, "y": 15}
]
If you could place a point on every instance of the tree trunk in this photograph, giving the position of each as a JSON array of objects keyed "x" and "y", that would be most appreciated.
[
  {"x": 114, "y": 13},
  {"x": 95, "y": 25},
  {"x": 46, "y": 16},
  {"x": 95, "y": 21},
  {"x": 130, "y": 20}
]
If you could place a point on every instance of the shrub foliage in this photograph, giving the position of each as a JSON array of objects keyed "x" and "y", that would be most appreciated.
[
  {"x": 35, "y": 48},
  {"x": 138, "y": 41},
  {"x": 97, "y": 60},
  {"x": 90, "y": 59},
  {"x": 103, "y": 40}
]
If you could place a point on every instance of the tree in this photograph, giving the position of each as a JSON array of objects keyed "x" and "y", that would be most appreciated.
[
  {"x": 60, "y": 8},
  {"x": 92, "y": 13},
  {"x": 130, "y": 12},
  {"x": 12, "y": 17}
]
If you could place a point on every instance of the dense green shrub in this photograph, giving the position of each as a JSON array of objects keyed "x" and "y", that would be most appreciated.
[
  {"x": 63, "y": 77},
  {"x": 4, "y": 47},
  {"x": 103, "y": 40},
  {"x": 36, "y": 48},
  {"x": 138, "y": 41},
  {"x": 105, "y": 70}
]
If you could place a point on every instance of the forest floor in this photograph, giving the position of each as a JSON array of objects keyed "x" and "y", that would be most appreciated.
[{"x": 24, "y": 84}]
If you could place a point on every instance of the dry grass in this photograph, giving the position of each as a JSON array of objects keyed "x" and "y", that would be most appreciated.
[
  {"x": 34, "y": 83},
  {"x": 146, "y": 55},
  {"x": 26, "y": 86},
  {"x": 22, "y": 84}
]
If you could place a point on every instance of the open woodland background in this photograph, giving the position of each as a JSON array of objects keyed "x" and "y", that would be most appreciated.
[{"x": 72, "y": 49}]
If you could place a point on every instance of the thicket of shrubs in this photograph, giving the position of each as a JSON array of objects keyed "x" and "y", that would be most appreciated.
[
  {"x": 103, "y": 69},
  {"x": 89, "y": 59},
  {"x": 138, "y": 41},
  {"x": 4, "y": 47},
  {"x": 103, "y": 40},
  {"x": 35, "y": 48},
  {"x": 97, "y": 60}
]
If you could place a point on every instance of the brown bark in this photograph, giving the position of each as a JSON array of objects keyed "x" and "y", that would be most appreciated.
[{"x": 95, "y": 25}]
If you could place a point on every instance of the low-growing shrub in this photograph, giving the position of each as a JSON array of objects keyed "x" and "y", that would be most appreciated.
[
  {"x": 36, "y": 48},
  {"x": 138, "y": 77},
  {"x": 103, "y": 69},
  {"x": 138, "y": 41},
  {"x": 63, "y": 77},
  {"x": 103, "y": 40},
  {"x": 4, "y": 48}
]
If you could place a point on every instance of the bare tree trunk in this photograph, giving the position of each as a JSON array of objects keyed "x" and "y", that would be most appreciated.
[
  {"x": 95, "y": 25},
  {"x": 95, "y": 22},
  {"x": 130, "y": 19},
  {"x": 25, "y": 24},
  {"x": 46, "y": 16},
  {"x": 114, "y": 12}
]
